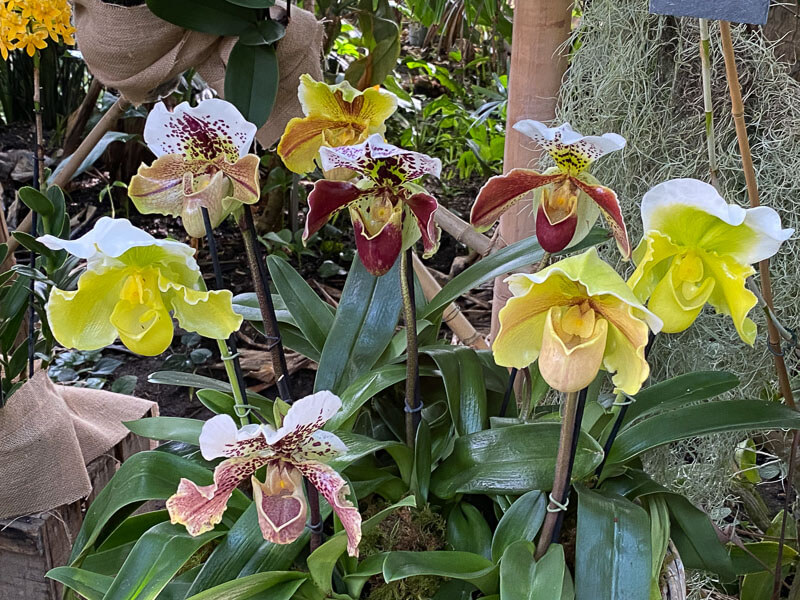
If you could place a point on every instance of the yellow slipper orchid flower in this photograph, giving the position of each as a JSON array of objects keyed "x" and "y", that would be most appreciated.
[
  {"x": 131, "y": 284},
  {"x": 335, "y": 115},
  {"x": 202, "y": 162},
  {"x": 699, "y": 249},
  {"x": 576, "y": 317}
]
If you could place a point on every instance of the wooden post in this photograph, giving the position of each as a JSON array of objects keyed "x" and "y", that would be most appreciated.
[{"x": 540, "y": 29}]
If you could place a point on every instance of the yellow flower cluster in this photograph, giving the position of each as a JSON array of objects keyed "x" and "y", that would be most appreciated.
[{"x": 28, "y": 23}]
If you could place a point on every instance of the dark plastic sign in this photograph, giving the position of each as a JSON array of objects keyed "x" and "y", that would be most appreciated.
[{"x": 753, "y": 12}]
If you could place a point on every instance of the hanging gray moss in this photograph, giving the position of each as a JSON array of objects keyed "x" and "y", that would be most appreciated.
[{"x": 639, "y": 75}]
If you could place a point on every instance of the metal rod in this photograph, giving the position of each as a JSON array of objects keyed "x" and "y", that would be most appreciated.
[{"x": 512, "y": 376}]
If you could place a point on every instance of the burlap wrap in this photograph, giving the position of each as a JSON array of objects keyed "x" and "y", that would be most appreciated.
[
  {"x": 135, "y": 52},
  {"x": 48, "y": 434}
]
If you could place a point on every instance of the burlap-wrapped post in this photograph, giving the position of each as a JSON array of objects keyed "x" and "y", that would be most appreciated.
[
  {"x": 135, "y": 52},
  {"x": 48, "y": 434}
]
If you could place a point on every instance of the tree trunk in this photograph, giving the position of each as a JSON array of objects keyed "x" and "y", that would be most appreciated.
[{"x": 537, "y": 67}]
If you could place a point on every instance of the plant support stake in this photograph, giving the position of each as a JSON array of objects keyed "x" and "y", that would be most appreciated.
[
  {"x": 258, "y": 271},
  {"x": 228, "y": 352},
  {"x": 705, "y": 60},
  {"x": 413, "y": 402},
  {"x": 737, "y": 110},
  {"x": 567, "y": 446}
]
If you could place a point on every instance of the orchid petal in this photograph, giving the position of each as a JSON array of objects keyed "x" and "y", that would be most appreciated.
[
  {"x": 502, "y": 192},
  {"x": 569, "y": 366},
  {"x": 305, "y": 416},
  {"x": 320, "y": 446},
  {"x": 652, "y": 257},
  {"x": 220, "y": 437},
  {"x": 159, "y": 188},
  {"x": 210, "y": 314},
  {"x": 693, "y": 215},
  {"x": 243, "y": 175},
  {"x": 82, "y": 318},
  {"x": 212, "y": 128},
  {"x": 280, "y": 504},
  {"x": 325, "y": 200},
  {"x": 380, "y": 161},
  {"x": 424, "y": 206},
  {"x": 378, "y": 251},
  {"x": 730, "y": 295},
  {"x": 554, "y": 237},
  {"x": 201, "y": 192},
  {"x": 200, "y": 508},
  {"x": 336, "y": 115},
  {"x": 572, "y": 152},
  {"x": 335, "y": 490},
  {"x": 113, "y": 238},
  {"x": 606, "y": 199},
  {"x": 671, "y": 302}
]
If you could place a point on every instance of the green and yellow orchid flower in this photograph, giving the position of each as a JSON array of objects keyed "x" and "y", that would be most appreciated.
[
  {"x": 298, "y": 448},
  {"x": 202, "y": 162},
  {"x": 335, "y": 115},
  {"x": 131, "y": 284},
  {"x": 699, "y": 249},
  {"x": 576, "y": 317},
  {"x": 567, "y": 198}
]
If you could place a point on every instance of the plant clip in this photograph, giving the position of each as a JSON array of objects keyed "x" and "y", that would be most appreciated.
[
  {"x": 558, "y": 505},
  {"x": 779, "y": 352},
  {"x": 416, "y": 409},
  {"x": 273, "y": 340},
  {"x": 233, "y": 356},
  {"x": 630, "y": 400},
  {"x": 315, "y": 527}
]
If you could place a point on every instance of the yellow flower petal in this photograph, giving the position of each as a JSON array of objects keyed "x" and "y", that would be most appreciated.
[
  {"x": 81, "y": 318},
  {"x": 677, "y": 300},
  {"x": 730, "y": 295},
  {"x": 569, "y": 361},
  {"x": 652, "y": 257},
  {"x": 208, "y": 313},
  {"x": 627, "y": 339},
  {"x": 140, "y": 317}
]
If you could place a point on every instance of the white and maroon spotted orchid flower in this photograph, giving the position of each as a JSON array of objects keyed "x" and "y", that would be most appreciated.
[
  {"x": 568, "y": 199},
  {"x": 298, "y": 448},
  {"x": 202, "y": 161},
  {"x": 389, "y": 211}
]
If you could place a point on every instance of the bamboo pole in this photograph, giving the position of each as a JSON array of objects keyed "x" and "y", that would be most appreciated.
[
  {"x": 452, "y": 315},
  {"x": 103, "y": 126},
  {"x": 538, "y": 64},
  {"x": 774, "y": 340}
]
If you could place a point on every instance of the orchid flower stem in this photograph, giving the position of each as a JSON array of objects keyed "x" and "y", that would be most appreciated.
[
  {"x": 737, "y": 111},
  {"x": 705, "y": 60},
  {"x": 567, "y": 446},
  {"x": 227, "y": 350},
  {"x": 260, "y": 275},
  {"x": 413, "y": 402}
]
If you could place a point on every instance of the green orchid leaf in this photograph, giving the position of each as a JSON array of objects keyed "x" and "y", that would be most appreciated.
[
  {"x": 217, "y": 17},
  {"x": 312, "y": 315},
  {"x": 255, "y": 586},
  {"x": 465, "y": 566},
  {"x": 521, "y": 522},
  {"x": 174, "y": 429},
  {"x": 251, "y": 81},
  {"x": 92, "y": 586},
  {"x": 364, "y": 325},
  {"x": 523, "y": 578},
  {"x": 154, "y": 560},
  {"x": 700, "y": 419},
  {"x": 612, "y": 551},
  {"x": 468, "y": 531},
  {"x": 510, "y": 460}
]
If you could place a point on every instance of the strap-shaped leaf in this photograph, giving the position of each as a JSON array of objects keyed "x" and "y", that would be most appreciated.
[{"x": 251, "y": 81}]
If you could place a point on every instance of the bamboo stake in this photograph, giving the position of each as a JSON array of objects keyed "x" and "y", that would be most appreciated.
[
  {"x": 463, "y": 232},
  {"x": 538, "y": 63},
  {"x": 452, "y": 315},
  {"x": 737, "y": 110},
  {"x": 705, "y": 60},
  {"x": 103, "y": 126},
  {"x": 413, "y": 401}
]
